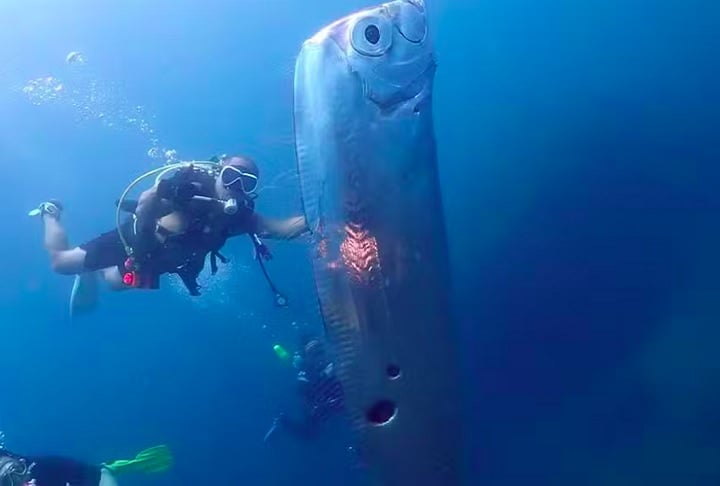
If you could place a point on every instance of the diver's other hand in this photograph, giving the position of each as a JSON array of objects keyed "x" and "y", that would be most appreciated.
[
  {"x": 165, "y": 189},
  {"x": 187, "y": 191},
  {"x": 177, "y": 192}
]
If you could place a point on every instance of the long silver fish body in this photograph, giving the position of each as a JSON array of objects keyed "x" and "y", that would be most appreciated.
[{"x": 368, "y": 172}]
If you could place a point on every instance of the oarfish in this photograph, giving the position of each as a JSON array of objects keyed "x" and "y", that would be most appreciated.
[{"x": 368, "y": 172}]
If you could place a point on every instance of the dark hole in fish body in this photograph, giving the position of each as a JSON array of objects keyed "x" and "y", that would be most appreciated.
[
  {"x": 393, "y": 371},
  {"x": 381, "y": 413},
  {"x": 372, "y": 34}
]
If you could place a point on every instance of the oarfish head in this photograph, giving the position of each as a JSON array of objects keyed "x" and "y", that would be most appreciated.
[{"x": 388, "y": 49}]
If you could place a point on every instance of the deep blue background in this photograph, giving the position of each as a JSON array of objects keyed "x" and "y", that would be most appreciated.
[{"x": 578, "y": 150}]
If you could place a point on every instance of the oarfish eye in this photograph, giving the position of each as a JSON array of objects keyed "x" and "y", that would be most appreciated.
[
  {"x": 371, "y": 35},
  {"x": 411, "y": 23}
]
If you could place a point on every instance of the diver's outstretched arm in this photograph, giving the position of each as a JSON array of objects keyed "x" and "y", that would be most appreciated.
[{"x": 284, "y": 229}]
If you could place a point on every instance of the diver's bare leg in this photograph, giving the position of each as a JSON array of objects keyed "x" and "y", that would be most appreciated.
[
  {"x": 63, "y": 259},
  {"x": 55, "y": 236},
  {"x": 114, "y": 279}
]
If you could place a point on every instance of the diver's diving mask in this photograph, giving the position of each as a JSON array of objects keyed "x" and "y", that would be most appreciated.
[{"x": 238, "y": 180}]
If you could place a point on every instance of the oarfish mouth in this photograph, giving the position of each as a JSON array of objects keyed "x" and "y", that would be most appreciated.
[{"x": 413, "y": 92}]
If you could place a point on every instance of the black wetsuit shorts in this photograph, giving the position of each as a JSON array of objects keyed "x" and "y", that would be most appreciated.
[{"x": 107, "y": 250}]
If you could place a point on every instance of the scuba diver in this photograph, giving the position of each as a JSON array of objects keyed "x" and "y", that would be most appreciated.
[
  {"x": 320, "y": 391},
  {"x": 172, "y": 228},
  {"x": 16, "y": 470}
]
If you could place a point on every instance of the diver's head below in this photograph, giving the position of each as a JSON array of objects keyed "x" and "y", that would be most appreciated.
[
  {"x": 14, "y": 471},
  {"x": 315, "y": 357},
  {"x": 238, "y": 178}
]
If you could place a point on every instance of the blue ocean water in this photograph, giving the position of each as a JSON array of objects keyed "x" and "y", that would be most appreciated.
[{"x": 578, "y": 148}]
